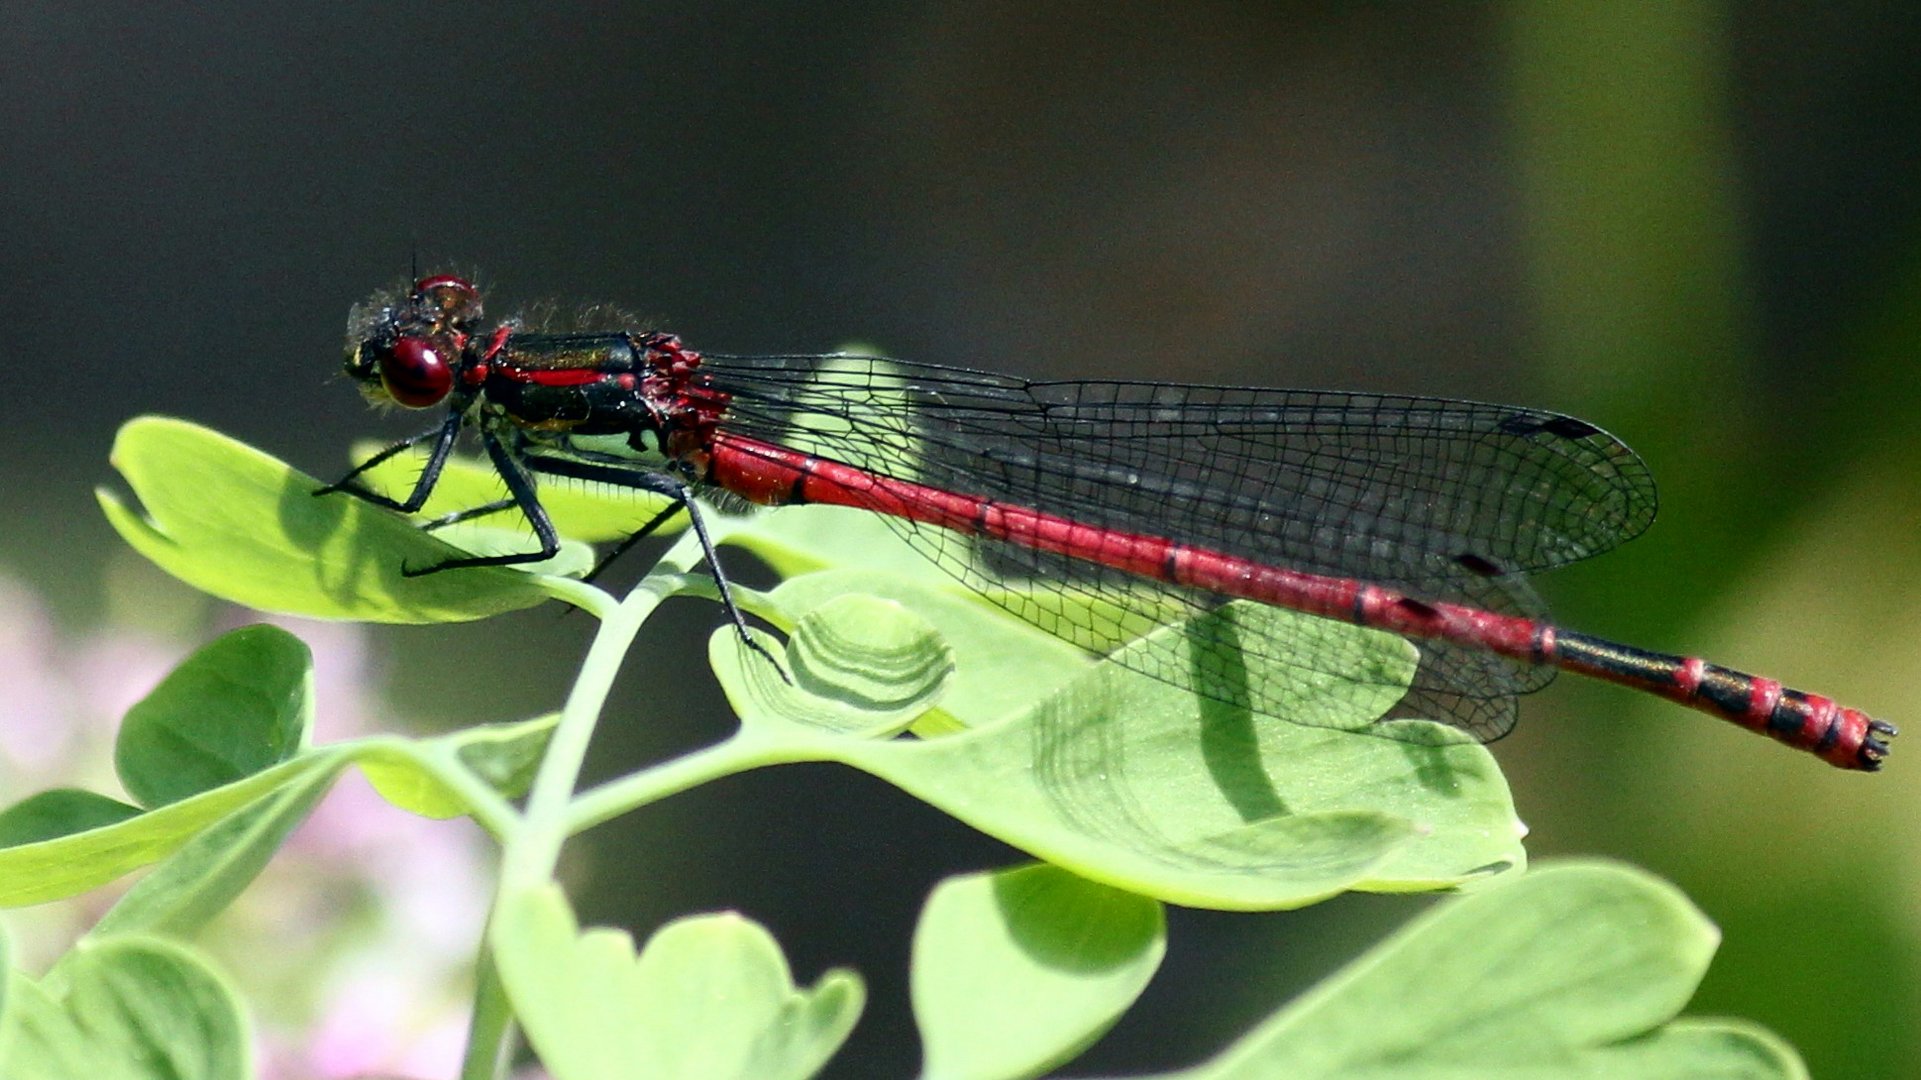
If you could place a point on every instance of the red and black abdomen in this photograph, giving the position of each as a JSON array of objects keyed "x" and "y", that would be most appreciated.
[{"x": 1844, "y": 737}]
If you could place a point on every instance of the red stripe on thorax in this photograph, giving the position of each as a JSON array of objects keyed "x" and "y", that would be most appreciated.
[{"x": 550, "y": 376}]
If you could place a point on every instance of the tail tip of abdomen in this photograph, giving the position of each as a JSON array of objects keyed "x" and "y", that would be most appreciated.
[
  {"x": 1874, "y": 747},
  {"x": 1859, "y": 741}
]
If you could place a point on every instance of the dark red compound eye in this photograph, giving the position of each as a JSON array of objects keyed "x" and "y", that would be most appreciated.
[{"x": 415, "y": 374}]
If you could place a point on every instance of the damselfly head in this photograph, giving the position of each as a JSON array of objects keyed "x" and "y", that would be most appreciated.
[{"x": 405, "y": 348}]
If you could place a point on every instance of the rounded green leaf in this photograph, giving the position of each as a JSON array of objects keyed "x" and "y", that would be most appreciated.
[
  {"x": 230, "y": 520},
  {"x": 1131, "y": 781},
  {"x": 504, "y": 756},
  {"x": 50, "y": 815},
  {"x": 1001, "y": 665},
  {"x": 866, "y": 649},
  {"x": 241, "y": 704},
  {"x": 860, "y": 665},
  {"x": 135, "y": 1008},
  {"x": 1568, "y": 971},
  {"x": 1017, "y": 971},
  {"x": 710, "y": 997}
]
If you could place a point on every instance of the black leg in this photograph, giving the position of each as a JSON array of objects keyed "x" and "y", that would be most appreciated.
[
  {"x": 443, "y": 437},
  {"x": 521, "y": 487},
  {"x": 722, "y": 585},
  {"x": 666, "y": 513},
  {"x": 469, "y": 514},
  {"x": 676, "y": 490}
]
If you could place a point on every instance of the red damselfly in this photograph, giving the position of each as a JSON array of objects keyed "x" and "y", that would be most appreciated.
[{"x": 1420, "y": 516}]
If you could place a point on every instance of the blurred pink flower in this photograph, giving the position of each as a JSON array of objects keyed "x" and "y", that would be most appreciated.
[{"x": 32, "y": 731}]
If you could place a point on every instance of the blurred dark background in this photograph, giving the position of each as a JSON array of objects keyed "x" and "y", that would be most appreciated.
[{"x": 1693, "y": 223}]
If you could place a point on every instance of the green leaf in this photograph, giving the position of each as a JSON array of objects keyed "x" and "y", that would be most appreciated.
[
  {"x": 582, "y": 510},
  {"x": 797, "y": 540},
  {"x": 710, "y": 997},
  {"x": 1571, "y": 971},
  {"x": 134, "y": 1009},
  {"x": 34, "y": 873},
  {"x": 253, "y": 813},
  {"x": 59, "y": 812},
  {"x": 197, "y": 882},
  {"x": 1017, "y": 971},
  {"x": 239, "y": 705},
  {"x": 232, "y": 521},
  {"x": 1001, "y": 665},
  {"x": 504, "y": 756},
  {"x": 861, "y": 666},
  {"x": 1133, "y": 782}
]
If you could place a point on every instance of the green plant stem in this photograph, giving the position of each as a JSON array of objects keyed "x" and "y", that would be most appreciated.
[
  {"x": 532, "y": 843},
  {"x": 594, "y": 601},
  {"x": 745, "y": 749},
  {"x": 493, "y": 1016},
  {"x": 534, "y": 847}
]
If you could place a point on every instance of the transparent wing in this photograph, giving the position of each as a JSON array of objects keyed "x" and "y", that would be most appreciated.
[{"x": 1445, "y": 500}]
